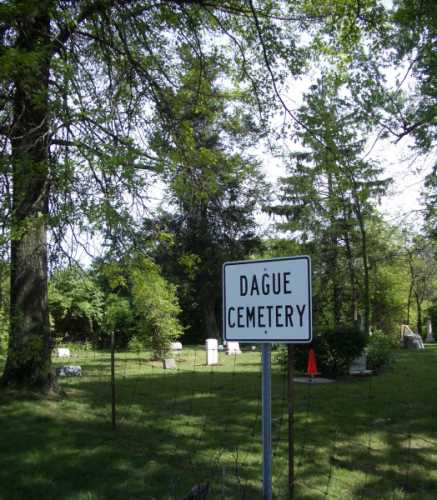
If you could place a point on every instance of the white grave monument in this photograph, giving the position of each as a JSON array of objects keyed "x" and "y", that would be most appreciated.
[
  {"x": 176, "y": 346},
  {"x": 410, "y": 339},
  {"x": 359, "y": 366},
  {"x": 233, "y": 348},
  {"x": 169, "y": 364},
  {"x": 211, "y": 347},
  {"x": 63, "y": 352},
  {"x": 69, "y": 371}
]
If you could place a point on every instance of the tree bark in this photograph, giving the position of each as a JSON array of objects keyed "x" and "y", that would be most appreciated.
[
  {"x": 353, "y": 280},
  {"x": 210, "y": 319},
  {"x": 28, "y": 363},
  {"x": 419, "y": 314},
  {"x": 410, "y": 293},
  {"x": 366, "y": 295}
]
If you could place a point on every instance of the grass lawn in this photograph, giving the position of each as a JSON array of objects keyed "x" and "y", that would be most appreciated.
[{"x": 358, "y": 438}]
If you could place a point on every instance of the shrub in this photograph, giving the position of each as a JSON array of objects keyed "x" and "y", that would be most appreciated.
[
  {"x": 119, "y": 319},
  {"x": 339, "y": 347},
  {"x": 75, "y": 304},
  {"x": 335, "y": 349},
  {"x": 157, "y": 308},
  {"x": 380, "y": 351}
]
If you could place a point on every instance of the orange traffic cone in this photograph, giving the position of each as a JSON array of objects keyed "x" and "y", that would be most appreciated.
[{"x": 312, "y": 364}]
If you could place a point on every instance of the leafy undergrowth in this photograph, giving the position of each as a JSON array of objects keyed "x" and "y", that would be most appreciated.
[{"x": 356, "y": 438}]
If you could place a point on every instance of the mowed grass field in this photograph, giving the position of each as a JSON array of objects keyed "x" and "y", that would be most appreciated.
[{"x": 373, "y": 437}]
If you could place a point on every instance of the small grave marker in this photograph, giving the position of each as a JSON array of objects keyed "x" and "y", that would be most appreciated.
[
  {"x": 359, "y": 366},
  {"x": 211, "y": 347},
  {"x": 233, "y": 348},
  {"x": 410, "y": 339},
  {"x": 169, "y": 364},
  {"x": 63, "y": 352},
  {"x": 176, "y": 346},
  {"x": 69, "y": 371}
]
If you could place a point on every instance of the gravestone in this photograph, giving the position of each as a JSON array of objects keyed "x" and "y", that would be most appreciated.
[
  {"x": 63, "y": 352},
  {"x": 359, "y": 366},
  {"x": 211, "y": 347},
  {"x": 413, "y": 341},
  {"x": 69, "y": 371},
  {"x": 410, "y": 339},
  {"x": 169, "y": 364},
  {"x": 198, "y": 492},
  {"x": 233, "y": 348},
  {"x": 176, "y": 346}
]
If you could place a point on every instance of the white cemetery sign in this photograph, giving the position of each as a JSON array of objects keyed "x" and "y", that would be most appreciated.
[{"x": 267, "y": 300}]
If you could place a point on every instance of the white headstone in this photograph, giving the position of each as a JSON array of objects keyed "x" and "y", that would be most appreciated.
[
  {"x": 359, "y": 366},
  {"x": 169, "y": 364},
  {"x": 413, "y": 341},
  {"x": 176, "y": 346},
  {"x": 233, "y": 348},
  {"x": 69, "y": 371},
  {"x": 63, "y": 352},
  {"x": 211, "y": 347}
]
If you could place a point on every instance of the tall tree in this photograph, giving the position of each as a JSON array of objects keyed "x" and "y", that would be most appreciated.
[
  {"x": 331, "y": 190},
  {"x": 214, "y": 186},
  {"x": 78, "y": 84}
]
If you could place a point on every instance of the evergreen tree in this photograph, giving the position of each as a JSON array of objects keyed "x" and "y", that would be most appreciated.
[
  {"x": 214, "y": 187},
  {"x": 329, "y": 193}
]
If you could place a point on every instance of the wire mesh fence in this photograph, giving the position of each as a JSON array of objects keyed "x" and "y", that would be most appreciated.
[{"x": 199, "y": 424}]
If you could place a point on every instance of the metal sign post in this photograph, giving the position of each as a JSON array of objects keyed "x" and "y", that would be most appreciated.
[
  {"x": 267, "y": 421},
  {"x": 267, "y": 301}
]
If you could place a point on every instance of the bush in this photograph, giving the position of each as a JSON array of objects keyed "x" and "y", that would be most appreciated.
[
  {"x": 75, "y": 304},
  {"x": 157, "y": 308},
  {"x": 335, "y": 349},
  {"x": 380, "y": 351},
  {"x": 118, "y": 318}
]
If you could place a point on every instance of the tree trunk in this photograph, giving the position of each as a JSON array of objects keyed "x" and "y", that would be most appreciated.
[
  {"x": 366, "y": 278},
  {"x": 354, "y": 295},
  {"x": 28, "y": 363},
  {"x": 211, "y": 327},
  {"x": 410, "y": 292},
  {"x": 336, "y": 289},
  {"x": 419, "y": 314},
  {"x": 366, "y": 291}
]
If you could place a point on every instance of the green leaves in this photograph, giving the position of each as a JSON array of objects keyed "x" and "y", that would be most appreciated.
[{"x": 76, "y": 304}]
